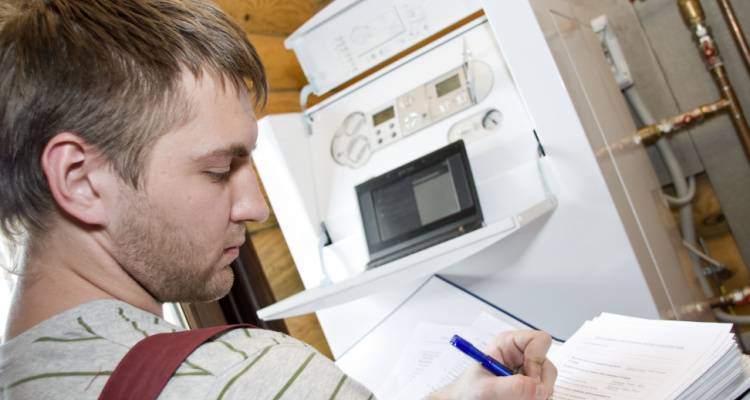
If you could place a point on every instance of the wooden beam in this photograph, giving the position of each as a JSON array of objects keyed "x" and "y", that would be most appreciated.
[
  {"x": 277, "y": 263},
  {"x": 282, "y": 69},
  {"x": 271, "y": 17},
  {"x": 281, "y": 101}
]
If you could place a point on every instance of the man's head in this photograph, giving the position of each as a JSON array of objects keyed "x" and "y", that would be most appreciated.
[{"x": 130, "y": 120}]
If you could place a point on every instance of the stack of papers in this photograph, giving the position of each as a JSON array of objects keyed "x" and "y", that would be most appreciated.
[
  {"x": 610, "y": 357},
  {"x": 618, "y": 357}
]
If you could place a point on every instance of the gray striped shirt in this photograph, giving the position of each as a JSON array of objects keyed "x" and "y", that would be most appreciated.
[{"x": 71, "y": 355}]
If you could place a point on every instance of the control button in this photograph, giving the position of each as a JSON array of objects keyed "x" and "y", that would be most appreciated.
[
  {"x": 406, "y": 101},
  {"x": 443, "y": 107},
  {"x": 412, "y": 120},
  {"x": 460, "y": 99},
  {"x": 377, "y": 132},
  {"x": 393, "y": 134},
  {"x": 380, "y": 141},
  {"x": 391, "y": 125}
]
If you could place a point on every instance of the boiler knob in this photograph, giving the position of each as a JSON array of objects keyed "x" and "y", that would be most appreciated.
[
  {"x": 492, "y": 119},
  {"x": 353, "y": 123},
  {"x": 359, "y": 151}
]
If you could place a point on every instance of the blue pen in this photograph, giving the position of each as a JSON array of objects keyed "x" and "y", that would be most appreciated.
[{"x": 489, "y": 363}]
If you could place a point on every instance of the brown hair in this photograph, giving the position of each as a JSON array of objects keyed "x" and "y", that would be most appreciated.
[{"x": 109, "y": 71}]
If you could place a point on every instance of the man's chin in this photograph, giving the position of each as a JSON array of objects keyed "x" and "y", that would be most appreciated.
[
  {"x": 221, "y": 284},
  {"x": 213, "y": 289}
]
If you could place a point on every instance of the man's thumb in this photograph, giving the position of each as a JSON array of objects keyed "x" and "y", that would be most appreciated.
[{"x": 519, "y": 387}]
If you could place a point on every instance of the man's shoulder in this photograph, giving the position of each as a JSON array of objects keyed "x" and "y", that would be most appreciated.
[
  {"x": 257, "y": 363},
  {"x": 74, "y": 350},
  {"x": 73, "y": 354}
]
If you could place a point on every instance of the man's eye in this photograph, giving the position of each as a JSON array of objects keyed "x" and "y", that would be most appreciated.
[{"x": 219, "y": 176}]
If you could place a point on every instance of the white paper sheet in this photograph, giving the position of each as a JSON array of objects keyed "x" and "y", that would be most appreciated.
[
  {"x": 451, "y": 362},
  {"x": 425, "y": 345}
]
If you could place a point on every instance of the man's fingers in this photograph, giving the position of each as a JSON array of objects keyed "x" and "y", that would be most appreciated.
[
  {"x": 549, "y": 375},
  {"x": 515, "y": 387},
  {"x": 522, "y": 348},
  {"x": 534, "y": 346},
  {"x": 532, "y": 366}
]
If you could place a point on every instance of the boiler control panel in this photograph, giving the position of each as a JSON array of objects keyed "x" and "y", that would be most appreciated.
[{"x": 363, "y": 133}]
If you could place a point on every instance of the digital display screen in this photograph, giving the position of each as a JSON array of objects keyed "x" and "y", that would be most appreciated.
[
  {"x": 419, "y": 204},
  {"x": 436, "y": 196},
  {"x": 415, "y": 201},
  {"x": 395, "y": 212},
  {"x": 448, "y": 85},
  {"x": 383, "y": 116}
]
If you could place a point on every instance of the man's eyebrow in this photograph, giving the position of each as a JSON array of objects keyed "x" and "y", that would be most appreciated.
[{"x": 233, "y": 151}]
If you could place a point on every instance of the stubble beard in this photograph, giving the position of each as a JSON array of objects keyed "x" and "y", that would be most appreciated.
[{"x": 164, "y": 259}]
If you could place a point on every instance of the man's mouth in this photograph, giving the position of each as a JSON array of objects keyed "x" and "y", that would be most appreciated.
[{"x": 234, "y": 251}]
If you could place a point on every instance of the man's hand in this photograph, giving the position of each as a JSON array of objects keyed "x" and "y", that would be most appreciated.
[{"x": 525, "y": 351}]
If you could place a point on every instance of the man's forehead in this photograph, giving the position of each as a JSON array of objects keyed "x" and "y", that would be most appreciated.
[{"x": 223, "y": 123}]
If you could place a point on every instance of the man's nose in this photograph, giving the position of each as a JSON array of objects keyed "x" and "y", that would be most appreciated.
[{"x": 248, "y": 202}]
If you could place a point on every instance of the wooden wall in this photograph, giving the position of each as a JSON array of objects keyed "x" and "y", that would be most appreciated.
[{"x": 268, "y": 23}]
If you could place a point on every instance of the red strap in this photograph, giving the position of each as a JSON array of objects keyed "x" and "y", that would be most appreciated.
[{"x": 145, "y": 370}]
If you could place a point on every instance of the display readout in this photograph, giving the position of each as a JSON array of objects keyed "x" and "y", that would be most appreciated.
[
  {"x": 383, "y": 116},
  {"x": 448, "y": 85}
]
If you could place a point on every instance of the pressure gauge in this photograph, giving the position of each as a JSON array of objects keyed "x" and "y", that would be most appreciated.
[
  {"x": 492, "y": 119},
  {"x": 476, "y": 126}
]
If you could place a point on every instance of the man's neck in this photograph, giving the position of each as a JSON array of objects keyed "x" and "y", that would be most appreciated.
[{"x": 64, "y": 270}]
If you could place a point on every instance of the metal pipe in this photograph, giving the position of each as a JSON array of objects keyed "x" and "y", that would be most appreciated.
[
  {"x": 692, "y": 11},
  {"x": 651, "y": 133},
  {"x": 734, "y": 26},
  {"x": 735, "y": 110}
]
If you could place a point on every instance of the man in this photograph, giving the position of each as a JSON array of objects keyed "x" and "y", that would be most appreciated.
[{"x": 125, "y": 137}]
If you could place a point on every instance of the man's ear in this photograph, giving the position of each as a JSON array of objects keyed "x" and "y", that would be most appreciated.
[{"x": 78, "y": 178}]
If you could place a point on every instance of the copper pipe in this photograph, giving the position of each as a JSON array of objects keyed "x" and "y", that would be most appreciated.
[
  {"x": 738, "y": 117},
  {"x": 693, "y": 13},
  {"x": 650, "y": 133},
  {"x": 734, "y": 26}
]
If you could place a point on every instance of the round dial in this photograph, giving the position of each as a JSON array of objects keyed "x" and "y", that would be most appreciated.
[
  {"x": 353, "y": 123},
  {"x": 359, "y": 150},
  {"x": 492, "y": 119}
]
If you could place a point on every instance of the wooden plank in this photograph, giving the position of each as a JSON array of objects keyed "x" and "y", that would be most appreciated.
[
  {"x": 282, "y": 69},
  {"x": 284, "y": 279},
  {"x": 276, "y": 17},
  {"x": 277, "y": 263},
  {"x": 203, "y": 315},
  {"x": 307, "y": 329},
  {"x": 281, "y": 101}
]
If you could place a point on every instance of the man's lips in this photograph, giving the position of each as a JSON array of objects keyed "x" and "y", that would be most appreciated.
[{"x": 232, "y": 251}]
